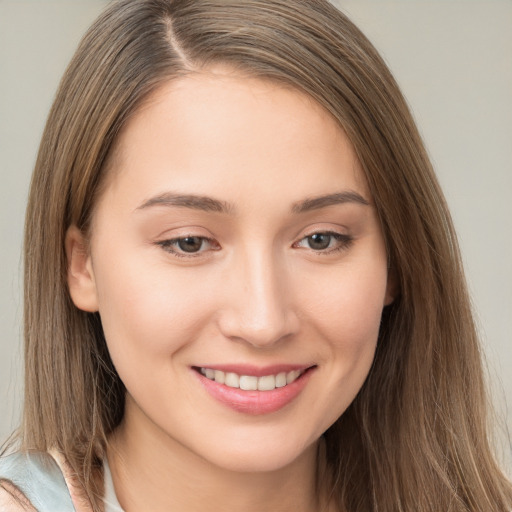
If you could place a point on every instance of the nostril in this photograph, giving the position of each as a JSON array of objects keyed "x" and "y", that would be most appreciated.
[{"x": 262, "y": 332}]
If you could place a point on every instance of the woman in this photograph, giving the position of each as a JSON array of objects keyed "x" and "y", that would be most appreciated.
[{"x": 243, "y": 289}]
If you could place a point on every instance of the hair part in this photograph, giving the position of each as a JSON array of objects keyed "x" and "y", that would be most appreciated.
[{"x": 415, "y": 437}]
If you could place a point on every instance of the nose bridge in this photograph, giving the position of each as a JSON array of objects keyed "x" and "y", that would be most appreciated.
[{"x": 259, "y": 312}]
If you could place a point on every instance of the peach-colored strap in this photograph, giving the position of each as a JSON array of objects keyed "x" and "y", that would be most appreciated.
[
  {"x": 78, "y": 496},
  {"x": 13, "y": 500}
]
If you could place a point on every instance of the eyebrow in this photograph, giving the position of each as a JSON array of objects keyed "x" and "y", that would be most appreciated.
[
  {"x": 315, "y": 203},
  {"x": 209, "y": 204},
  {"x": 195, "y": 202}
]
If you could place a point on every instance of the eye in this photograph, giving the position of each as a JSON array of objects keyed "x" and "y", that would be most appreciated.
[
  {"x": 326, "y": 242},
  {"x": 188, "y": 245}
]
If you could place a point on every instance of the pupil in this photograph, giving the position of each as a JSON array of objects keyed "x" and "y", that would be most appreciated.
[
  {"x": 319, "y": 241},
  {"x": 190, "y": 244}
]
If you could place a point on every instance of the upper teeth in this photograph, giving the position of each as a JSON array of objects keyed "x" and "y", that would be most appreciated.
[{"x": 250, "y": 382}]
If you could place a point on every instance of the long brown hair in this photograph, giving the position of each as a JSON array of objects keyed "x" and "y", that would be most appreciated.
[{"x": 415, "y": 437}]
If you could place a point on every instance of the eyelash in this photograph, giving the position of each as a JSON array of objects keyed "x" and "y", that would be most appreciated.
[
  {"x": 171, "y": 246},
  {"x": 344, "y": 242}
]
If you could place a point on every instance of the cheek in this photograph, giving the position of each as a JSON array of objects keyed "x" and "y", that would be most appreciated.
[
  {"x": 147, "y": 314},
  {"x": 347, "y": 317},
  {"x": 348, "y": 304}
]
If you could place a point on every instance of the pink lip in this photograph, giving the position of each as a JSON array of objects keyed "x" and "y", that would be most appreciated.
[{"x": 255, "y": 402}]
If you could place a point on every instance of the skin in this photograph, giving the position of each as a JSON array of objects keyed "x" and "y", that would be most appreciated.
[{"x": 257, "y": 293}]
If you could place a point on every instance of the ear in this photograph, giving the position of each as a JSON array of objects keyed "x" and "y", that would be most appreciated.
[
  {"x": 80, "y": 275},
  {"x": 392, "y": 289}
]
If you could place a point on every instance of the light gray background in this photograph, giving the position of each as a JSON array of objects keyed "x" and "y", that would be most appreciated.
[{"x": 453, "y": 60}]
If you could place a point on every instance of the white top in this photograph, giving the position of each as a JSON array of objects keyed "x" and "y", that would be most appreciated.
[{"x": 110, "y": 499}]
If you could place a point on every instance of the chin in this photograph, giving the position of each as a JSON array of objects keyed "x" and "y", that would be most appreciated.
[{"x": 262, "y": 457}]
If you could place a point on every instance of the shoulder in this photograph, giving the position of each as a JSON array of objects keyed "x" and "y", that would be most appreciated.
[{"x": 38, "y": 481}]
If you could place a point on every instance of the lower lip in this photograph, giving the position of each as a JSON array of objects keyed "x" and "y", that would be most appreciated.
[{"x": 255, "y": 402}]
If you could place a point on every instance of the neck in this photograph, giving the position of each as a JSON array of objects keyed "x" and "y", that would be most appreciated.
[{"x": 151, "y": 471}]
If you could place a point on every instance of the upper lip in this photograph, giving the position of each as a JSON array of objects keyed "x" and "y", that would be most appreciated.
[{"x": 256, "y": 371}]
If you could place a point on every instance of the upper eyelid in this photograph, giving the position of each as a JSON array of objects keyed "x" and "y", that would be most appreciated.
[
  {"x": 323, "y": 227},
  {"x": 323, "y": 232},
  {"x": 183, "y": 232},
  {"x": 327, "y": 231}
]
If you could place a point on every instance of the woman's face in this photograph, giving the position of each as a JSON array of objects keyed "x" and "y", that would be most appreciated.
[{"x": 235, "y": 245}]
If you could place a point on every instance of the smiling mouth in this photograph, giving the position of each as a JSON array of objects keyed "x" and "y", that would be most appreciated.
[
  {"x": 251, "y": 382},
  {"x": 265, "y": 391}
]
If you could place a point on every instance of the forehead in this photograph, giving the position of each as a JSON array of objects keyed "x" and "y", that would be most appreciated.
[{"x": 216, "y": 126}]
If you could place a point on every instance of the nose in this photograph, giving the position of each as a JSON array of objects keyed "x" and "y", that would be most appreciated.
[{"x": 259, "y": 308}]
